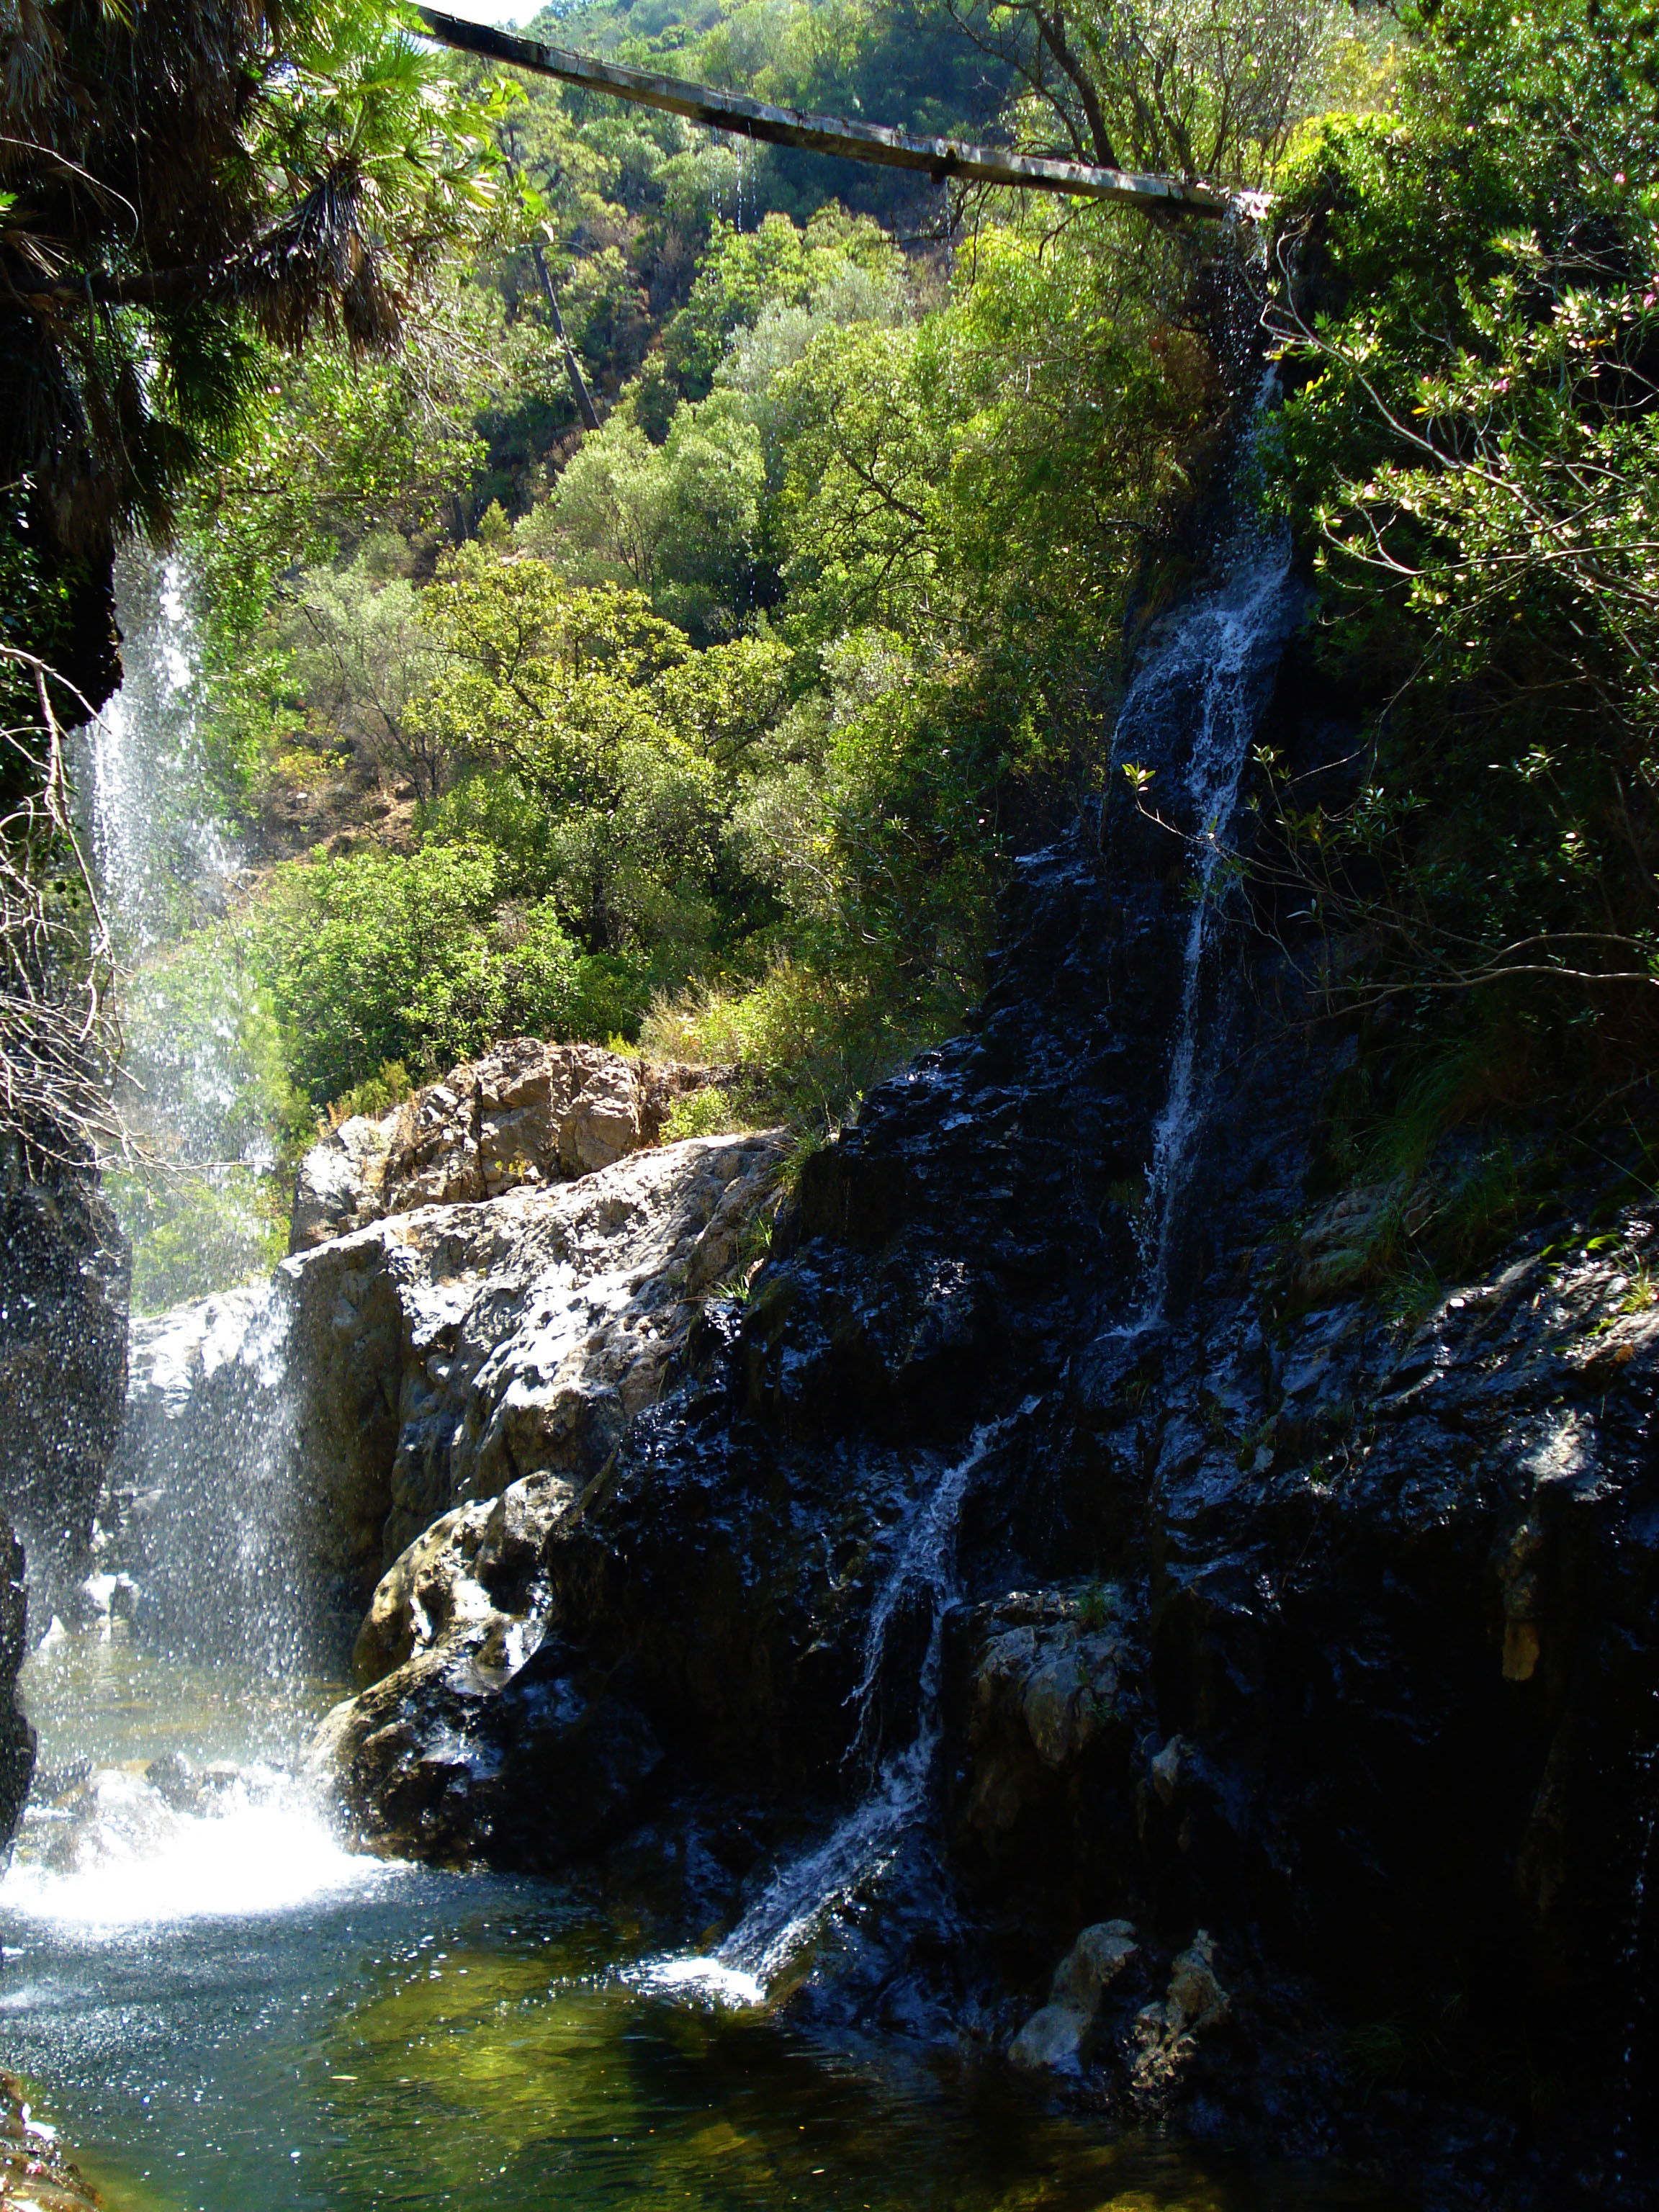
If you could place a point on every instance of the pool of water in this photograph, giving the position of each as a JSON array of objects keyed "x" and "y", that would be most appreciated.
[{"x": 225, "y": 2011}]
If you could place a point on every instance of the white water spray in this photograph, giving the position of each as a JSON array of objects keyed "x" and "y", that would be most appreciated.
[
  {"x": 128, "y": 1859},
  {"x": 193, "y": 1087}
]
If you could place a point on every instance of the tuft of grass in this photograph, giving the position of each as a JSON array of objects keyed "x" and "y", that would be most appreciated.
[
  {"x": 808, "y": 1043},
  {"x": 710, "y": 1112},
  {"x": 377, "y": 1094}
]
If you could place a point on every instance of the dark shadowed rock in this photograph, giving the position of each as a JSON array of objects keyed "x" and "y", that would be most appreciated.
[{"x": 63, "y": 1273}]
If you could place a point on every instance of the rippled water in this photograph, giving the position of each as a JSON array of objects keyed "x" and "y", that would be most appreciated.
[{"x": 226, "y": 2012}]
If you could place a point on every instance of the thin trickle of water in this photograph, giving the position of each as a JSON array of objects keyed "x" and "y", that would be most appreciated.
[
  {"x": 810, "y": 1888},
  {"x": 1235, "y": 639},
  {"x": 1196, "y": 705}
]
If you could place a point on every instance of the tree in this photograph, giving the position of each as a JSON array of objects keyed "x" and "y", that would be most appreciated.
[
  {"x": 361, "y": 653},
  {"x": 1471, "y": 328},
  {"x": 176, "y": 182},
  {"x": 1186, "y": 88}
]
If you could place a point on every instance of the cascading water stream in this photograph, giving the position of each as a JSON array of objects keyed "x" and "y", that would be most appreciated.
[
  {"x": 811, "y": 1888},
  {"x": 190, "y": 1089},
  {"x": 1235, "y": 638},
  {"x": 1194, "y": 707},
  {"x": 166, "y": 1789}
]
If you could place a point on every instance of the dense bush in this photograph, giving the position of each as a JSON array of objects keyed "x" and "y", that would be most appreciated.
[
  {"x": 1472, "y": 333},
  {"x": 383, "y": 957}
]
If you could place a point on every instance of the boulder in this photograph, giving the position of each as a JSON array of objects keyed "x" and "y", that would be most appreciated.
[
  {"x": 1050, "y": 1671},
  {"x": 476, "y": 1735},
  {"x": 527, "y": 1114},
  {"x": 339, "y": 1182},
  {"x": 1054, "y": 2035}
]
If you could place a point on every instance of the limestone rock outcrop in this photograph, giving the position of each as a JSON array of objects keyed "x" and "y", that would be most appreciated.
[
  {"x": 1055, "y": 2034},
  {"x": 308, "y": 1431},
  {"x": 524, "y": 1114}
]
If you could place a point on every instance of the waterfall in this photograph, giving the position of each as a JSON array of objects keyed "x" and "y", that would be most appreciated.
[
  {"x": 1193, "y": 711},
  {"x": 191, "y": 1089},
  {"x": 810, "y": 1888},
  {"x": 161, "y": 857},
  {"x": 168, "y": 1785}
]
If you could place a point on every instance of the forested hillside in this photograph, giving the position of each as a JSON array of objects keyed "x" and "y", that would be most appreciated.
[{"x": 715, "y": 727}]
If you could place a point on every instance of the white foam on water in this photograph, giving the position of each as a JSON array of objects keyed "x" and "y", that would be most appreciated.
[
  {"x": 726, "y": 1986},
  {"x": 138, "y": 1864}
]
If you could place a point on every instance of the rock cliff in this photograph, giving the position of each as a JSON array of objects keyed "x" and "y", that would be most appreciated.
[
  {"x": 62, "y": 1361},
  {"x": 526, "y": 1114},
  {"x": 1310, "y": 1653},
  {"x": 63, "y": 1373}
]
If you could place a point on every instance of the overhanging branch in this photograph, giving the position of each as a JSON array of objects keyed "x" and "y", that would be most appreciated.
[{"x": 828, "y": 134}]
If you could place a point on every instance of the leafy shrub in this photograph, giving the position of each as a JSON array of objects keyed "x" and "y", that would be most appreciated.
[
  {"x": 809, "y": 1043},
  {"x": 378, "y": 957},
  {"x": 710, "y": 1112},
  {"x": 1472, "y": 346},
  {"x": 193, "y": 1234}
]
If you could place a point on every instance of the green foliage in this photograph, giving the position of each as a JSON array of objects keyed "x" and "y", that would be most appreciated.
[
  {"x": 193, "y": 1234},
  {"x": 203, "y": 1086},
  {"x": 710, "y": 1112},
  {"x": 680, "y": 521},
  {"x": 1469, "y": 444},
  {"x": 775, "y": 267},
  {"x": 809, "y": 1041},
  {"x": 377, "y": 1094},
  {"x": 203, "y": 1077},
  {"x": 358, "y": 652},
  {"x": 381, "y": 957}
]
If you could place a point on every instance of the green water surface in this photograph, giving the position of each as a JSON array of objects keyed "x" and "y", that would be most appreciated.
[{"x": 418, "y": 2039}]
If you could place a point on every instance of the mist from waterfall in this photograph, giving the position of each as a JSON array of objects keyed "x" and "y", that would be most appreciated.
[{"x": 195, "y": 1087}]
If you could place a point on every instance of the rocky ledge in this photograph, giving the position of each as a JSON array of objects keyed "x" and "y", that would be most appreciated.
[
  {"x": 304, "y": 1431},
  {"x": 528, "y": 1114}
]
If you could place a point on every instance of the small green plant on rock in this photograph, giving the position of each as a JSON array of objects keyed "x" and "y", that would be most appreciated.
[{"x": 710, "y": 1112}]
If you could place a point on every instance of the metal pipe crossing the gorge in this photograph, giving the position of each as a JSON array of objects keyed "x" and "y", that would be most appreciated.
[{"x": 828, "y": 134}]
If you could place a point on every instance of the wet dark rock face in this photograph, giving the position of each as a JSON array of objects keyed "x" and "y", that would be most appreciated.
[
  {"x": 1297, "y": 1765},
  {"x": 63, "y": 1378},
  {"x": 62, "y": 1361}
]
